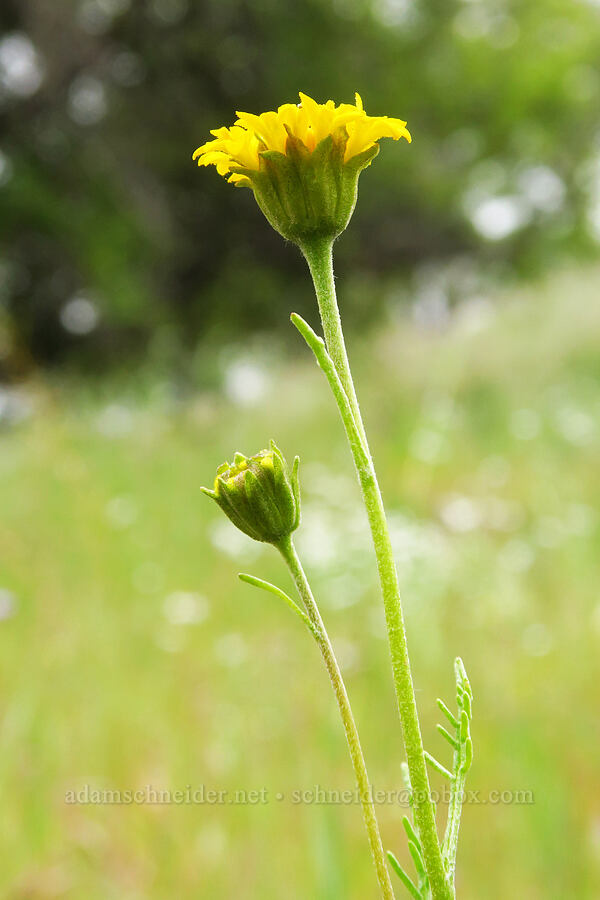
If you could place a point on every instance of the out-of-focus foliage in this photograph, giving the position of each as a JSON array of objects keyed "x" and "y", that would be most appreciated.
[
  {"x": 131, "y": 655},
  {"x": 112, "y": 241}
]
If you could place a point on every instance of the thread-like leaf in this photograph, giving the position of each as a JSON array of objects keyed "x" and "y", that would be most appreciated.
[
  {"x": 463, "y": 758},
  {"x": 449, "y": 715},
  {"x": 445, "y": 734},
  {"x": 404, "y": 878},
  {"x": 417, "y": 859},
  {"x": 317, "y": 345},
  {"x": 272, "y": 589},
  {"x": 464, "y": 726},
  {"x": 410, "y": 832},
  {"x": 468, "y": 760},
  {"x": 461, "y": 676},
  {"x": 438, "y": 766},
  {"x": 467, "y": 704}
]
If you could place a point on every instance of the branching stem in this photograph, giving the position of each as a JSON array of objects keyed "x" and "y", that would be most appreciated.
[
  {"x": 463, "y": 757},
  {"x": 318, "y": 254}
]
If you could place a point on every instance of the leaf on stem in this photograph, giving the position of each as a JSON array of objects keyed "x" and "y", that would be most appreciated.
[
  {"x": 449, "y": 715},
  {"x": 317, "y": 345},
  {"x": 272, "y": 589},
  {"x": 418, "y": 860},
  {"x": 461, "y": 676},
  {"x": 410, "y": 832},
  {"x": 437, "y": 766},
  {"x": 468, "y": 760},
  {"x": 446, "y": 734},
  {"x": 462, "y": 758},
  {"x": 404, "y": 878}
]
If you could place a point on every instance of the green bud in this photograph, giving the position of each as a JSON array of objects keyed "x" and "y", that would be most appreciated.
[
  {"x": 309, "y": 194},
  {"x": 259, "y": 495}
]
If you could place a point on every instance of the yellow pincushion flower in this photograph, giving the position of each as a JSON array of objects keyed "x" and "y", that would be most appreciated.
[{"x": 302, "y": 162}]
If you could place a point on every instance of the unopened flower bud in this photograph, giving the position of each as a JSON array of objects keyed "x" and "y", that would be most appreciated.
[{"x": 259, "y": 495}]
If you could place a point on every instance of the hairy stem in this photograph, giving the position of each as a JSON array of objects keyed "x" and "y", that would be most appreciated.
[
  {"x": 457, "y": 792},
  {"x": 320, "y": 262},
  {"x": 319, "y": 257},
  {"x": 463, "y": 757},
  {"x": 288, "y": 551}
]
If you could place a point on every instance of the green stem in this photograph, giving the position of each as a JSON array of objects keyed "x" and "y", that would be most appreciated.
[
  {"x": 318, "y": 254},
  {"x": 319, "y": 257},
  {"x": 463, "y": 757},
  {"x": 288, "y": 551},
  {"x": 457, "y": 790}
]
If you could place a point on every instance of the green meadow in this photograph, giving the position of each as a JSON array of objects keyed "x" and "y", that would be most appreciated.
[{"x": 133, "y": 660}]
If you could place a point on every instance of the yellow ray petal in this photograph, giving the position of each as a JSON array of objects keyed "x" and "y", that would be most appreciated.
[{"x": 309, "y": 121}]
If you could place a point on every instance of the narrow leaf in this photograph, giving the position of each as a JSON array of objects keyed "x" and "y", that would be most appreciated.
[
  {"x": 468, "y": 756},
  {"x": 404, "y": 878},
  {"x": 467, "y": 704},
  {"x": 449, "y": 715},
  {"x": 272, "y": 589},
  {"x": 438, "y": 766},
  {"x": 410, "y": 832},
  {"x": 417, "y": 859},
  {"x": 462, "y": 677},
  {"x": 317, "y": 345},
  {"x": 464, "y": 726},
  {"x": 445, "y": 734}
]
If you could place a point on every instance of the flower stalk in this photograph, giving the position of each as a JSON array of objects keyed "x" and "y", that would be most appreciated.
[
  {"x": 290, "y": 556},
  {"x": 303, "y": 163},
  {"x": 261, "y": 497},
  {"x": 318, "y": 254}
]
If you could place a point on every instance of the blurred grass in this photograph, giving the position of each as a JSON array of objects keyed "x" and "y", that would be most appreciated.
[{"x": 133, "y": 656}]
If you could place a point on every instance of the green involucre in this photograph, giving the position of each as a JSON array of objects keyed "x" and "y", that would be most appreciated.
[
  {"x": 259, "y": 494},
  {"x": 304, "y": 194}
]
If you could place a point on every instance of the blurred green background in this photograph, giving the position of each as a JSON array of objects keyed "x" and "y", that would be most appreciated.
[{"x": 144, "y": 337}]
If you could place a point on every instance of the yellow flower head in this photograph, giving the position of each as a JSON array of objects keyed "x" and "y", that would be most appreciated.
[
  {"x": 310, "y": 122},
  {"x": 302, "y": 162}
]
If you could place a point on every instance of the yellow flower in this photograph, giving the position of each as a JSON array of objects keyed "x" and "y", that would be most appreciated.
[
  {"x": 240, "y": 146},
  {"x": 302, "y": 162}
]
